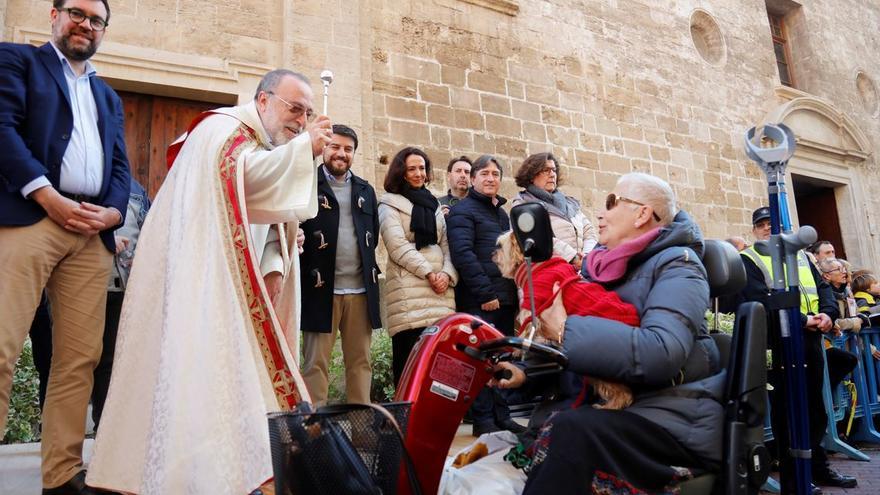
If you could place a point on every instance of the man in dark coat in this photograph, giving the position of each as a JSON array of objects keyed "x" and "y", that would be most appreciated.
[
  {"x": 340, "y": 278},
  {"x": 473, "y": 227}
]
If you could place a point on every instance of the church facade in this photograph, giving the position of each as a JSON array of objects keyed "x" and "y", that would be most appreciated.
[{"x": 609, "y": 86}]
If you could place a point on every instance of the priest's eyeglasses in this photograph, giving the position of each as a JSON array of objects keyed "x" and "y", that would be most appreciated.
[
  {"x": 78, "y": 17},
  {"x": 612, "y": 200},
  {"x": 295, "y": 108}
]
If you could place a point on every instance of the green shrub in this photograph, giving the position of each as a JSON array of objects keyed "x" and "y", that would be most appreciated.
[
  {"x": 382, "y": 388},
  {"x": 24, "y": 405},
  {"x": 725, "y": 321}
]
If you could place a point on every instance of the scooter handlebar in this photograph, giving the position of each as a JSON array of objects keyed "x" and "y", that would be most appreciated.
[{"x": 541, "y": 350}]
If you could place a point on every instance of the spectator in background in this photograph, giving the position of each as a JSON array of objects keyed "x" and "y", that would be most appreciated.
[
  {"x": 841, "y": 362},
  {"x": 738, "y": 242},
  {"x": 474, "y": 225},
  {"x": 458, "y": 178},
  {"x": 820, "y": 250},
  {"x": 866, "y": 291},
  {"x": 340, "y": 281},
  {"x": 419, "y": 276},
  {"x": 574, "y": 235},
  {"x": 818, "y": 310}
]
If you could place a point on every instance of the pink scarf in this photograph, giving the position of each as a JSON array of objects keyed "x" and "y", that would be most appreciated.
[{"x": 609, "y": 265}]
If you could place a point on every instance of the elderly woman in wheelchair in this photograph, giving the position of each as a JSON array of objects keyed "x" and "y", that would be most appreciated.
[{"x": 650, "y": 255}]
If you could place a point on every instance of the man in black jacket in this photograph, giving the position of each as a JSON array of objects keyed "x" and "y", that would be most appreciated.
[
  {"x": 818, "y": 312},
  {"x": 340, "y": 278},
  {"x": 473, "y": 227}
]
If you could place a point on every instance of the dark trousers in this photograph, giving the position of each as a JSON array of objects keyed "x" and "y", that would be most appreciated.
[
  {"x": 840, "y": 363},
  {"x": 41, "y": 344},
  {"x": 105, "y": 365},
  {"x": 587, "y": 450},
  {"x": 41, "y": 340},
  {"x": 490, "y": 406},
  {"x": 402, "y": 344}
]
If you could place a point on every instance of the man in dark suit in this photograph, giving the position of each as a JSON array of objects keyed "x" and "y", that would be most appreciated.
[
  {"x": 340, "y": 278},
  {"x": 64, "y": 187}
]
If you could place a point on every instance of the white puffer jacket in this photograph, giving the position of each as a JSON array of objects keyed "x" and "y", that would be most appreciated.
[{"x": 408, "y": 298}]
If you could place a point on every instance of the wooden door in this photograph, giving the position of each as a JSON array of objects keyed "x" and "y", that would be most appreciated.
[
  {"x": 817, "y": 206},
  {"x": 151, "y": 124}
]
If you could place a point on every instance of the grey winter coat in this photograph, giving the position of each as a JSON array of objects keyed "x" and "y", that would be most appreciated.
[{"x": 667, "y": 285}]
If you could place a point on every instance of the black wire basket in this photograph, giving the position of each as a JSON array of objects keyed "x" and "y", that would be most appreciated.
[{"x": 345, "y": 449}]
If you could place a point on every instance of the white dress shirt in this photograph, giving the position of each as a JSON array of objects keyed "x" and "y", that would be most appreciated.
[{"x": 82, "y": 167}]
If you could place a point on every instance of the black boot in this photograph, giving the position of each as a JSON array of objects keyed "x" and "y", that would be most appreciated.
[{"x": 826, "y": 476}]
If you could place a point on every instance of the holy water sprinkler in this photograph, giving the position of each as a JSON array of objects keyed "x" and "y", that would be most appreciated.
[{"x": 326, "y": 79}]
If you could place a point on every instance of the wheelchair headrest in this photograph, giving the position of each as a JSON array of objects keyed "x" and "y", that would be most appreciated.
[{"x": 724, "y": 267}]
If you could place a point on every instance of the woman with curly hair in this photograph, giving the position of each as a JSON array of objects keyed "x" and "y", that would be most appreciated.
[{"x": 574, "y": 234}]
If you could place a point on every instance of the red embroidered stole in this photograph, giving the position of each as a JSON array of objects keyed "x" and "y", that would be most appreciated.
[{"x": 280, "y": 374}]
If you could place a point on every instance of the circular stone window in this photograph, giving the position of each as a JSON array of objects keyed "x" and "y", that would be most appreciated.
[
  {"x": 707, "y": 38},
  {"x": 868, "y": 93}
]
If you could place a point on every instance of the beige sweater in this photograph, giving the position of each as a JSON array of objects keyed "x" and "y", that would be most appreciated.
[{"x": 408, "y": 298}]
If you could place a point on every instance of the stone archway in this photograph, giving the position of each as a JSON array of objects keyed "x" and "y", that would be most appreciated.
[{"x": 832, "y": 150}]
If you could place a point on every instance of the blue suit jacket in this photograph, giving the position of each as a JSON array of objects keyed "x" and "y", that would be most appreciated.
[{"x": 35, "y": 126}]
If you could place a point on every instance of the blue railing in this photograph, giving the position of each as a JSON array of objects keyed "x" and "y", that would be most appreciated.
[{"x": 866, "y": 377}]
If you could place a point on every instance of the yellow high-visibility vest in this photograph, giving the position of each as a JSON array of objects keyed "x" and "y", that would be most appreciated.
[{"x": 806, "y": 282}]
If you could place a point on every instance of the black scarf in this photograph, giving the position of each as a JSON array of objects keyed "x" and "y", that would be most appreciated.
[{"x": 423, "y": 223}]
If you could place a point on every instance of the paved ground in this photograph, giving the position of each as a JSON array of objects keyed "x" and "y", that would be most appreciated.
[
  {"x": 20, "y": 467},
  {"x": 868, "y": 473}
]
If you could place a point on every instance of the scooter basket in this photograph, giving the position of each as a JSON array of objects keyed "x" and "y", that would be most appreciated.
[{"x": 349, "y": 449}]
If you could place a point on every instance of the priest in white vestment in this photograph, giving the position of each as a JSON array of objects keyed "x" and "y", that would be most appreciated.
[{"x": 201, "y": 357}]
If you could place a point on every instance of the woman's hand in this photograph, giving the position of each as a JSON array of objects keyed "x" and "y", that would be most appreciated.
[
  {"x": 553, "y": 318},
  {"x": 516, "y": 380},
  {"x": 442, "y": 283},
  {"x": 577, "y": 262},
  {"x": 439, "y": 282}
]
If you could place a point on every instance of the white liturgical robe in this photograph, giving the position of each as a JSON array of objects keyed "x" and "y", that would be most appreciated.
[{"x": 200, "y": 356}]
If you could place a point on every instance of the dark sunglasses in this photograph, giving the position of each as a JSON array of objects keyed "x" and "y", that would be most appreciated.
[{"x": 612, "y": 200}]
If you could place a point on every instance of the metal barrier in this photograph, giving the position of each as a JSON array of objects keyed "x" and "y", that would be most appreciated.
[
  {"x": 871, "y": 336},
  {"x": 865, "y": 378},
  {"x": 836, "y": 407}
]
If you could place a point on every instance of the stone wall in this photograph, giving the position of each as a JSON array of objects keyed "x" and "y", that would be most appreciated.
[{"x": 609, "y": 86}]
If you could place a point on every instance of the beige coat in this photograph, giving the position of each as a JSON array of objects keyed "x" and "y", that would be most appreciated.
[
  {"x": 571, "y": 236},
  {"x": 408, "y": 298}
]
